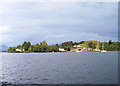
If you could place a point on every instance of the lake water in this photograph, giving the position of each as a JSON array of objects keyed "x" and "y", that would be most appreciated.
[{"x": 60, "y": 68}]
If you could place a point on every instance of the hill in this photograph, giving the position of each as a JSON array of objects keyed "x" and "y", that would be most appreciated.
[{"x": 3, "y": 48}]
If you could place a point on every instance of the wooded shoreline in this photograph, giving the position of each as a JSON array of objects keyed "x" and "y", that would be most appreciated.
[{"x": 70, "y": 46}]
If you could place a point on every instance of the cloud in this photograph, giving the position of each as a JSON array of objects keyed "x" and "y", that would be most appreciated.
[
  {"x": 58, "y": 22},
  {"x": 4, "y": 29},
  {"x": 59, "y": 1}
]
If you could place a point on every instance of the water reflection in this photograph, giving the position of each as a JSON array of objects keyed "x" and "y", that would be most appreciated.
[{"x": 0, "y": 68}]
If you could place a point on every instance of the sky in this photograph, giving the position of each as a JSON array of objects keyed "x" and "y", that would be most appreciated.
[{"x": 57, "y": 22}]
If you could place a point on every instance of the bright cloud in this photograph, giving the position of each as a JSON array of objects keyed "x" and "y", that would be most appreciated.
[{"x": 4, "y": 29}]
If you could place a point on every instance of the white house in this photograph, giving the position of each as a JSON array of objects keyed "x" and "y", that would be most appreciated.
[
  {"x": 80, "y": 48},
  {"x": 19, "y": 50},
  {"x": 61, "y": 49},
  {"x": 77, "y": 48}
]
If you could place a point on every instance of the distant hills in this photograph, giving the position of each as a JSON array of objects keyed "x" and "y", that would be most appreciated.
[{"x": 3, "y": 48}]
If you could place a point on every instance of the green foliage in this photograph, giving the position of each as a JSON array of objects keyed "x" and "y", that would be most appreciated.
[
  {"x": 110, "y": 42},
  {"x": 68, "y": 49},
  {"x": 29, "y": 49},
  {"x": 69, "y": 44},
  {"x": 111, "y": 46},
  {"x": 55, "y": 48},
  {"x": 91, "y": 44},
  {"x": 12, "y": 49},
  {"x": 118, "y": 46},
  {"x": 57, "y": 45},
  {"x": 75, "y": 43},
  {"x": 81, "y": 42},
  {"x": 43, "y": 46},
  {"x": 84, "y": 45},
  {"x": 26, "y": 45},
  {"x": 43, "y": 43},
  {"x": 19, "y": 46}
]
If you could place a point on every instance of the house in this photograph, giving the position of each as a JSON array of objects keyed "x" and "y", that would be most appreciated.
[
  {"x": 79, "y": 48},
  {"x": 19, "y": 50},
  {"x": 61, "y": 49},
  {"x": 90, "y": 49}
]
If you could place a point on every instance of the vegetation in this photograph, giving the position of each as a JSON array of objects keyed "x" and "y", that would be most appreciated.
[
  {"x": 44, "y": 47},
  {"x": 12, "y": 49}
]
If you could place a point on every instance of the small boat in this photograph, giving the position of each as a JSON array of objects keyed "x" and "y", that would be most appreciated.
[
  {"x": 98, "y": 51},
  {"x": 103, "y": 51},
  {"x": 77, "y": 51}
]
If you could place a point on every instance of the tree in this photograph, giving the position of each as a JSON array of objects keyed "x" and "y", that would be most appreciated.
[
  {"x": 26, "y": 45},
  {"x": 43, "y": 46},
  {"x": 19, "y": 46},
  {"x": 37, "y": 44},
  {"x": 106, "y": 46},
  {"x": 75, "y": 43},
  {"x": 43, "y": 43},
  {"x": 11, "y": 49},
  {"x": 81, "y": 42},
  {"x": 110, "y": 42},
  {"x": 118, "y": 46},
  {"x": 30, "y": 49},
  {"x": 111, "y": 47},
  {"x": 54, "y": 48},
  {"x": 69, "y": 43},
  {"x": 90, "y": 45},
  {"x": 68, "y": 48},
  {"x": 57, "y": 45},
  {"x": 23, "y": 44}
]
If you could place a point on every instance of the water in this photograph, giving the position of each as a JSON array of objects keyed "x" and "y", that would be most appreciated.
[{"x": 60, "y": 68}]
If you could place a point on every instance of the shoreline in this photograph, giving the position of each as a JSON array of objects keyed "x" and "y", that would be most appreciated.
[{"x": 53, "y": 52}]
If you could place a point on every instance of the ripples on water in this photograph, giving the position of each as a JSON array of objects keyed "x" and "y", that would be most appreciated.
[
  {"x": 60, "y": 68},
  {"x": 0, "y": 69}
]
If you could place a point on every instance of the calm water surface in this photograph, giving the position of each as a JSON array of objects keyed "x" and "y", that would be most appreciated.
[{"x": 60, "y": 68}]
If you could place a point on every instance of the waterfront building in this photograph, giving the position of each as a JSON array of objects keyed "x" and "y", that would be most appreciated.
[
  {"x": 19, "y": 50},
  {"x": 61, "y": 49}
]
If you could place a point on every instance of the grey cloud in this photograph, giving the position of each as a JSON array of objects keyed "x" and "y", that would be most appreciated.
[{"x": 57, "y": 22}]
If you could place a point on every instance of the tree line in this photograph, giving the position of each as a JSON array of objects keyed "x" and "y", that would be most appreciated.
[
  {"x": 39, "y": 47},
  {"x": 44, "y": 47}
]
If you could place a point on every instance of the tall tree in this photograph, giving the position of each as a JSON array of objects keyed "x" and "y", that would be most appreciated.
[
  {"x": 26, "y": 45},
  {"x": 110, "y": 42},
  {"x": 69, "y": 43},
  {"x": 57, "y": 45},
  {"x": 43, "y": 43},
  {"x": 19, "y": 46},
  {"x": 81, "y": 42}
]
